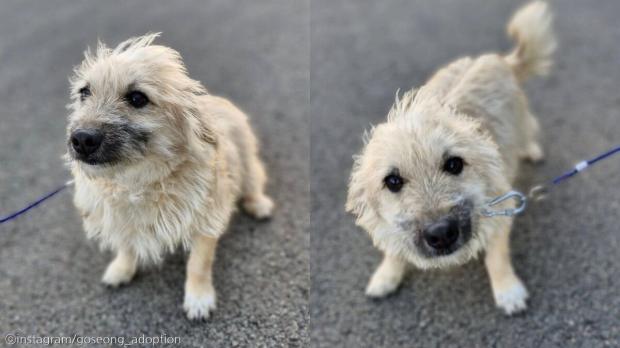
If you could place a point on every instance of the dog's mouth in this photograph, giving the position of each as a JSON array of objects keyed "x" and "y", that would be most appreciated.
[
  {"x": 94, "y": 160},
  {"x": 447, "y": 234}
]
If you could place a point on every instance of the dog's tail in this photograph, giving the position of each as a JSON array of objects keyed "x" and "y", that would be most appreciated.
[{"x": 531, "y": 29}]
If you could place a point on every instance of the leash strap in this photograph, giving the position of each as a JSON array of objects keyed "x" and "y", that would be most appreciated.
[
  {"x": 539, "y": 192},
  {"x": 35, "y": 203},
  {"x": 581, "y": 166},
  {"x": 536, "y": 193}
]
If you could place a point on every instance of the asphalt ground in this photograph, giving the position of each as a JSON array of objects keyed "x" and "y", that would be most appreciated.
[
  {"x": 254, "y": 52},
  {"x": 565, "y": 249}
]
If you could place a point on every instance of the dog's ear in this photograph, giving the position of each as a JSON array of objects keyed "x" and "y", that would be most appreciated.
[
  {"x": 356, "y": 202},
  {"x": 197, "y": 127},
  {"x": 359, "y": 200},
  {"x": 205, "y": 133}
]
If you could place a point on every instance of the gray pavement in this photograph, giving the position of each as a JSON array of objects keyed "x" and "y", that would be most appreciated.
[
  {"x": 256, "y": 53},
  {"x": 566, "y": 250}
]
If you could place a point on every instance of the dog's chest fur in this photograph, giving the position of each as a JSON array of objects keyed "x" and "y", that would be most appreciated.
[{"x": 156, "y": 218}]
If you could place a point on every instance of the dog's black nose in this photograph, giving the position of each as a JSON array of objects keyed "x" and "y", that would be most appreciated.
[
  {"x": 86, "y": 141},
  {"x": 441, "y": 234}
]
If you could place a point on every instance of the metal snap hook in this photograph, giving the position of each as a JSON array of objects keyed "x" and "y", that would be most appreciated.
[{"x": 520, "y": 207}]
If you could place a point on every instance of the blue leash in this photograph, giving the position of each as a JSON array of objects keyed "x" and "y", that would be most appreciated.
[
  {"x": 536, "y": 193},
  {"x": 583, "y": 165},
  {"x": 35, "y": 203},
  {"x": 539, "y": 192}
]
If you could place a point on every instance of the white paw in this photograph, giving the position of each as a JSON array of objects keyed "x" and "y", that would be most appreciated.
[
  {"x": 117, "y": 274},
  {"x": 513, "y": 299},
  {"x": 535, "y": 153},
  {"x": 382, "y": 284},
  {"x": 259, "y": 207},
  {"x": 199, "y": 306}
]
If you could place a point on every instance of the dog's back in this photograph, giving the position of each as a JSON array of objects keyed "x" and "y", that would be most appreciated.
[
  {"x": 489, "y": 87},
  {"x": 239, "y": 144}
]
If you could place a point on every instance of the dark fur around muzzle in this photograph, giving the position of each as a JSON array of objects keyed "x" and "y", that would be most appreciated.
[
  {"x": 107, "y": 143},
  {"x": 448, "y": 233}
]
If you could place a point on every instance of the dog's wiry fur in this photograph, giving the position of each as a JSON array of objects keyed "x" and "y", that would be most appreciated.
[
  {"x": 166, "y": 174},
  {"x": 473, "y": 108}
]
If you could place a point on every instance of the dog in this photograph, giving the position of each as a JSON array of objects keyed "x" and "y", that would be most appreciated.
[
  {"x": 446, "y": 149},
  {"x": 158, "y": 163}
]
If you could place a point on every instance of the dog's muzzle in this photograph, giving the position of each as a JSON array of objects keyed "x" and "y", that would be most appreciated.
[
  {"x": 107, "y": 143},
  {"x": 448, "y": 233}
]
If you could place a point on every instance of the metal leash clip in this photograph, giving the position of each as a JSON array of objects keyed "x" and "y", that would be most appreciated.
[{"x": 518, "y": 196}]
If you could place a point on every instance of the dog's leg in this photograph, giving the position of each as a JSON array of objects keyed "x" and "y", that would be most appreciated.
[
  {"x": 535, "y": 153},
  {"x": 122, "y": 269},
  {"x": 255, "y": 201},
  {"x": 509, "y": 292},
  {"x": 199, "y": 291},
  {"x": 387, "y": 277},
  {"x": 533, "y": 150}
]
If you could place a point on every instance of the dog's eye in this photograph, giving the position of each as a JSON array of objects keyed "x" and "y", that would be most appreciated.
[
  {"x": 84, "y": 93},
  {"x": 453, "y": 165},
  {"x": 393, "y": 182},
  {"x": 137, "y": 99}
]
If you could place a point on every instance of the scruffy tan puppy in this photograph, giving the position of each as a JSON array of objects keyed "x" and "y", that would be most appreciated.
[
  {"x": 420, "y": 182},
  {"x": 158, "y": 162}
]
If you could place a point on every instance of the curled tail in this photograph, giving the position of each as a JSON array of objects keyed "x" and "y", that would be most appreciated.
[{"x": 531, "y": 30}]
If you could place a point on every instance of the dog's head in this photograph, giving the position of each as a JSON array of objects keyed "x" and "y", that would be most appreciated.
[
  {"x": 132, "y": 106},
  {"x": 420, "y": 181}
]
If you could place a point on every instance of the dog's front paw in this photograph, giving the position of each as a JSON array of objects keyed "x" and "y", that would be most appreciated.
[
  {"x": 382, "y": 284},
  {"x": 118, "y": 273},
  {"x": 199, "y": 306},
  {"x": 513, "y": 299},
  {"x": 259, "y": 207}
]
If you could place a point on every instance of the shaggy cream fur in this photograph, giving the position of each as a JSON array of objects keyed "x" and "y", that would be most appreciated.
[
  {"x": 180, "y": 163},
  {"x": 473, "y": 108}
]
